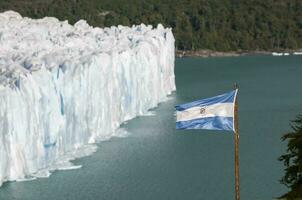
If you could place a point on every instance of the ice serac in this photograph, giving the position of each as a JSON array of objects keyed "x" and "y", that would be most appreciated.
[{"x": 64, "y": 86}]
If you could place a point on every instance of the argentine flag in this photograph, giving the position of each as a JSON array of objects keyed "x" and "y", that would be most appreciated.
[{"x": 215, "y": 113}]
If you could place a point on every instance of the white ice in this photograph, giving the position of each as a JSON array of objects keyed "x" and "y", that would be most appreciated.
[{"x": 63, "y": 87}]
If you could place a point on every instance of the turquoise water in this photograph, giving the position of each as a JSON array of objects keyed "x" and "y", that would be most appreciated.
[{"x": 158, "y": 162}]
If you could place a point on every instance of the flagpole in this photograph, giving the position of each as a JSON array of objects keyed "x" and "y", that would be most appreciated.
[{"x": 236, "y": 142}]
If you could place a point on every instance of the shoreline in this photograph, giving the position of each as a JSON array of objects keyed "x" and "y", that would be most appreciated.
[{"x": 204, "y": 53}]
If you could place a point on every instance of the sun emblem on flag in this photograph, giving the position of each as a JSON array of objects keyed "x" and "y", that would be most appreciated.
[{"x": 202, "y": 111}]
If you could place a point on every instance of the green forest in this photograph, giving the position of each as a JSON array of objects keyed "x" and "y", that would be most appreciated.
[{"x": 219, "y": 25}]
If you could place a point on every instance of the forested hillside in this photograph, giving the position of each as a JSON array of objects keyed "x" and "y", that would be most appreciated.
[{"x": 221, "y": 25}]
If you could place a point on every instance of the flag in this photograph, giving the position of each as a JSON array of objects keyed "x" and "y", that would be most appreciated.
[{"x": 215, "y": 113}]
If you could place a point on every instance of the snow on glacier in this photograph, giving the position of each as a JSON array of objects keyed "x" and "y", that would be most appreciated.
[{"x": 63, "y": 87}]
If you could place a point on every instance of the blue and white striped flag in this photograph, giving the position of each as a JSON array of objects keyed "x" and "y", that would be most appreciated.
[{"x": 215, "y": 113}]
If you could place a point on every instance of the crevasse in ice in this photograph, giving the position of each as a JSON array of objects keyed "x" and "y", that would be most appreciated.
[{"x": 63, "y": 87}]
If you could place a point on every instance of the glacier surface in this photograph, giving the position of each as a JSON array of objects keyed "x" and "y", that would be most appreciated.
[{"x": 63, "y": 87}]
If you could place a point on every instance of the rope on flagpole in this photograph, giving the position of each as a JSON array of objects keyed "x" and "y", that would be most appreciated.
[{"x": 236, "y": 142}]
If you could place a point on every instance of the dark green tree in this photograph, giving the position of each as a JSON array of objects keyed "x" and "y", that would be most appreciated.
[{"x": 292, "y": 161}]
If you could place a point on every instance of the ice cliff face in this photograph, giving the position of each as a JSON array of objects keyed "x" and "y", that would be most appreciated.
[{"x": 63, "y": 87}]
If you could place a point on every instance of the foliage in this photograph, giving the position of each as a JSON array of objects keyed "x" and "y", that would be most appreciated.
[
  {"x": 293, "y": 160},
  {"x": 221, "y": 25}
]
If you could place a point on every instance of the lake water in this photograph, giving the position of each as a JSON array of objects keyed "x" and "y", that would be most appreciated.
[{"x": 158, "y": 162}]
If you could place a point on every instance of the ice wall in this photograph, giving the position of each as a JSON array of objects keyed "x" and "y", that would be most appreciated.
[{"x": 63, "y": 87}]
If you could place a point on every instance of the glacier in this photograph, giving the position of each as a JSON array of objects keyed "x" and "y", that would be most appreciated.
[{"x": 65, "y": 87}]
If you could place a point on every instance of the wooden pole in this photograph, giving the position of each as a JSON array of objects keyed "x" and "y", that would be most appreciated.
[{"x": 236, "y": 141}]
